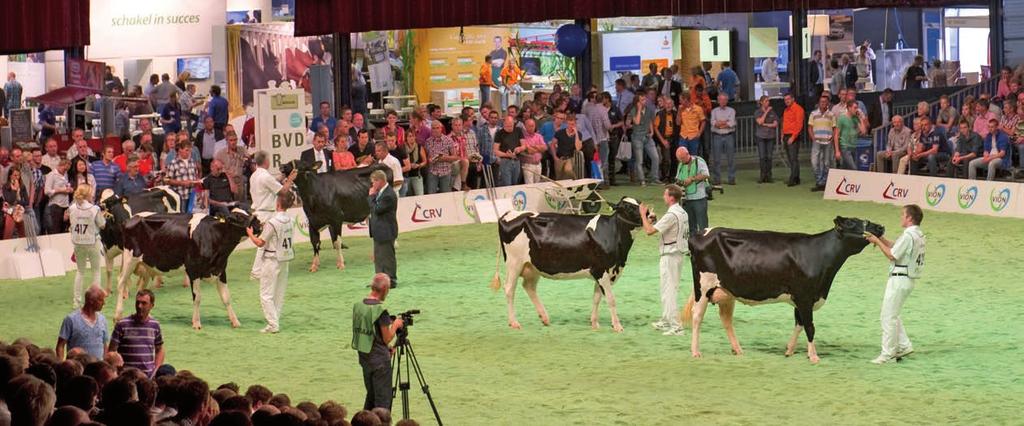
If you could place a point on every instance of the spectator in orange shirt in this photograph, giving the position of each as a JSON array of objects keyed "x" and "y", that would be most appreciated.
[
  {"x": 127, "y": 149},
  {"x": 343, "y": 159},
  {"x": 792, "y": 128},
  {"x": 486, "y": 82},
  {"x": 511, "y": 75},
  {"x": 691, "y": 124}
]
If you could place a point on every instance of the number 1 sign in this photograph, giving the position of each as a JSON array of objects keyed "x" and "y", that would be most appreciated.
[{"x": 714, "y": 46}]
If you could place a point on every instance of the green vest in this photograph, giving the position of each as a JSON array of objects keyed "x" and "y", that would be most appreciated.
[
  {"x": 686, "y": 171},
  {"x": 364, "y": 325}
]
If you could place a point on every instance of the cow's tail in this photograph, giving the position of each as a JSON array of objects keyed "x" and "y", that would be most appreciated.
[{"x": 496, "y": 281}]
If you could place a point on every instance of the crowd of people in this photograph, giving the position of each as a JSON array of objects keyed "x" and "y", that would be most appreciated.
[{"x": 119, "y": 379}]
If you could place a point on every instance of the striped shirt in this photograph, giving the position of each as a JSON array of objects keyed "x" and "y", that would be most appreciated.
[
  {"x": 137, "y": 342},
  {"x": 106, "y": 175},
  {"x": 822, "y": 125}
]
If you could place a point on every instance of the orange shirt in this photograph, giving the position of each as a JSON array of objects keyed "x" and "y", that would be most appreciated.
[
  {"x": 343, "y": 160},
  {"x": 511, "y": 73},
  {"x": 689, "y": 122},
  {"x": 793, "y": 120},
  {"x": 485, "y": 75}
]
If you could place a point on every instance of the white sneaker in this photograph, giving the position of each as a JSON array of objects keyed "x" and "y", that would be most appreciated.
[
  {"x": 882, "y": 359},
  {"x": 674, "y": 331},
  {"x": 661, "y": 325},
  {"x": 269, "y": 329},
  {"x": 904, "y": 352}
]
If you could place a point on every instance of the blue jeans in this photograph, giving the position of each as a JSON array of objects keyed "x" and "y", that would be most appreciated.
[
  {"x": 602, "y": 152},
  {"x": 508, "y": 171},
  {"x": 691, "y": 145},
  {"x": 413, "y": 186},
  {"x": 723, "y": 150},
  {"x": 697, "y": 212},
  {"x": 822, "y": 158},
  {"x": 849, "y": 158},
  {"x": 437, "y": 184},
  {"x": 641, "y": 144},
  {"x": 485, "y": 94}
]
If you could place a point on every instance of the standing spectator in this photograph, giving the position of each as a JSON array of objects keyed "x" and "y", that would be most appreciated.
[
  {"x": 849, "y": 127},
  {"x": 469, "y": 153},
  {"x": 47, "y": 122},
  {"x": 968, "y": 147},
  {"x": 85, "y": 328},
  {"x": 324, "y": 118},
  {"x": 982, "y": 115},
  {"x": 86, "y": 223},
  {"x": 276, "y": 240},
  {"x": 486, "y": 81},
  {"x": 817, "y": 75},
  {"x": 674, "y": 230},
  {"x": 881, "y": 112},
  {"x": 600, "y": 120},
  {"x": 80, "y": 147},
  {"x": 459, "y": 167},
  {"x": 220, "y": 190},
  {"x": 417, "y": 165},
  {"x": 531, "y": 156},
  {"x": 13, "y": 90},
  {"x": 146, "y": 129},
  {"x": 318, "y": 154},
  {"x": 691, "y": 124},
  {"x": 161, "y": 94},
  {"x": 937, "y": 76},
  {"x": 130, "y": 182},
  {"x": 767, "y": 123},
  {"x": 826, "y": 142},
  {"x": 567, "y": 144},
  {"x": 642, "y": 117},
  {"x": 897, "y": 146},
  {"x": 383, "y": 225},
  {"x": 586, "y": 132},
  {"x": 105, "y": 171},
  {"x": 182, "y": 175},
  {"x": 206, "y": 141},
  {"x": 507, "y": 146},
  {"x": 52, "y": 157},
  {"x": 381, "y": 155},
  {"x": 666, "y": 132},
  {"x": 127, "y": 150},
  {"x": 947, "y": 117},
  {"x": 723, "y": 140},
  {"x": 792, "y": 129},
  {"x": 441, "y": 153},
  {"x": 15, "y": 197},
  {"x": 728, "y": 81},
  {"x": 57, "y": 189},
  {"x": 35, "y": 177},
  {"x": 915, "y": 74},
  {"x": 651, "y": 80},
  {"x": 233, "y": 159},
  {"x": 693, "y": 177},
  {"x": 150, "y": 89},
  {"x": 170, "y": 115},
  {"x": 372, "y": 331},
  {"x": 931, "y": 147},
  {"x": 548, "y": 131},
  {"x": 217, "y": 108},
  {"x": 997, "y": 144},
  {"x": 137, "y": 338}
]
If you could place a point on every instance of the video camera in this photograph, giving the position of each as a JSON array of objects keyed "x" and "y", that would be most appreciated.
[
  {"x": 710, "y": 189},
  {"x": 407, "y": 316}
]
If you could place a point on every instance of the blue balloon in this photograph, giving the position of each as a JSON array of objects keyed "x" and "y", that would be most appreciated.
[{"x": 571, "y": 40}]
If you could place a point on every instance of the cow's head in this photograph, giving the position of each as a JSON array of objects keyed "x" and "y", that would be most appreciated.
[
  {"x": 853, "y": 227},
  {"x": 628, "y": 211},
  {"x": 304, "y": 168},
  {"x": 242, "y": 219}
]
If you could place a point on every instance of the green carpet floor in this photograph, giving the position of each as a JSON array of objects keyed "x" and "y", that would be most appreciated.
[{"x": 964, "y": 317}]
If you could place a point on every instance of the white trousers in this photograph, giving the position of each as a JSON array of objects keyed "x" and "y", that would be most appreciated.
[
  {"x": 894, "y": 337},
  {"x": 273, "y": 282},
  {"x": 671, "y": 266},
  {"x": 263, "y": 218},
  {"x": 85, "y": 254},
  {"x": 531, "y": 173}
]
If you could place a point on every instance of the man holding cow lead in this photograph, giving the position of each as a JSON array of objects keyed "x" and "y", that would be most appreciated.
[
  {"x": 906, "y": 258},
  {"x": 674, "y": 229}
]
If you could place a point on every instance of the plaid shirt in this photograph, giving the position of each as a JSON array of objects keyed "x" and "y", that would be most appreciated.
[
  {"x": 441, "y": 145},
  {"x": 181, "y": 169},
  {"x": 472, "y": 146}
]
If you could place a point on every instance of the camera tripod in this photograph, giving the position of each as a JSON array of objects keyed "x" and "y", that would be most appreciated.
[{"x": 404, "y": 355}]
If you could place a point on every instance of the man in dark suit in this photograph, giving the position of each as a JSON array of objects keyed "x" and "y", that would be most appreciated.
[
  {"x": 205, "y": 140},
  {"x": 881, "y": 111},
  {"x": 816, "y": 76},
  {"x": 383, "y": 225},
  {"x": 670, "y": 87},
  {"x": 319, "y": 153}
]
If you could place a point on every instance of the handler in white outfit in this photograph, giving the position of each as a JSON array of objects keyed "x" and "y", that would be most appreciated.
[
  {"x": 264, "y": 189},
  {"x": 906, "y": 257},
  {"x": 674, "y": 229},
  {"x": 86, "y": 222},
  {"x": 276, "y": 242}
]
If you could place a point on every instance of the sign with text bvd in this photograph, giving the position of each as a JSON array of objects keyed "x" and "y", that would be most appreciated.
[{"x": 714, "y": 46}]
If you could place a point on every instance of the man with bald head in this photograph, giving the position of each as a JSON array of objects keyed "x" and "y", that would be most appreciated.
[
  {"x": 85, "y": 328},
  {"x": 372, "y": 330},
  {"x": 692, "y": 175},
  {"x": 888, "y": 161}
]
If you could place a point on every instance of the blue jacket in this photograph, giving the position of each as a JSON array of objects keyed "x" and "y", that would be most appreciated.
[{"x": 483, "y": 138}]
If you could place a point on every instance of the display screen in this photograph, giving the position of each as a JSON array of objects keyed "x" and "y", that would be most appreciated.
[
  {"x": 531, "y": 66},
  {"x": 782, "y": 61},
  {"x": 198, "y": 67}
]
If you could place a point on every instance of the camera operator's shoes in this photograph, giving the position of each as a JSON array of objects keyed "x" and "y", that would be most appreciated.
[
  {"x": 661, "y": 325},
  {"x": 674, "y": 331}
]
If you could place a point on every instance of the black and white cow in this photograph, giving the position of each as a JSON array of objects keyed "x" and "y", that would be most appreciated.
[
  {"x": 331, "y": 200},
  {"x": 760, "y": 267},
  {"x": 160, "y": 199},
  {"x": 198, "y": 242},
  {"x": 561, "y": 246}
]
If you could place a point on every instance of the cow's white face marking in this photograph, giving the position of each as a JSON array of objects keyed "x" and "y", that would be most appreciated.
[
  {"x": 128, "y": 209},
  {"x": 107, "y": 193},
  {"x": 177, "y": 199},
  {"x": 631, "y": 200},
  {"x": 193, "y": 223},
  {"x": 144, "y": 214},
  {"x": 238, "y": 210},
  {"x": 592, "y": 225},
  {"x": 513, "y": 214},
  {"x": 708, "y": 231}
]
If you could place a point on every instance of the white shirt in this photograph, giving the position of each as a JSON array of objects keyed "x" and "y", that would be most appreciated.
[
  {"x": 277, "y": 233},
  {"x": 209, "y": 144},
  {"x": 674, "y": 229},
  {"x": 395, "y": 166},
  {"x": 909, "y": 252},
  {"x": 86, "y": 222},
  {"x": 263, "y": 189},
  {"x": 51, "y": 161},
  {"x": 319, "y": 156}
]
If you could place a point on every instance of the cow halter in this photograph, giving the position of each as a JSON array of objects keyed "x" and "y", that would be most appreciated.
[{"x": 627, "y": 221}]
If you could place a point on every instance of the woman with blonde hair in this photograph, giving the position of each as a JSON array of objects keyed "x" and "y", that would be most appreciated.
[{"x": 86, "y": 222}]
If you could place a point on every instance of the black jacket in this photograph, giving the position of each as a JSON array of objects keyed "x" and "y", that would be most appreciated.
[
  {"x": 197, "y": 138},
  {"x": 875, "y": 114},
  {"x": 383, "y": 222},
  {"x": 851, "y": 75},
  {"x": 309, "y": 156},
  {"x": 813, "y": 74},
  {"x": 674, "y": 90}
]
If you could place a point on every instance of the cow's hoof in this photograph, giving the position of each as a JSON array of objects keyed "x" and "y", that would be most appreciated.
[
  {"x": 341, "y": 266},
  {"x": 197, "y": 326},
  {"x": 789, "y": 352},
  {"x": 235, "y": 324},
  {"x": 545, "y": 321},
  {"x": 594, "y": 325},
  {"x": 617, "y": 328},
  {"x": 737, "y": 351},
  {"x": 515, "y": 325},
  {"x": 814, "y": 359},
  {"x": 313, "y": 268},
  {"x": 695, "y": 354}
]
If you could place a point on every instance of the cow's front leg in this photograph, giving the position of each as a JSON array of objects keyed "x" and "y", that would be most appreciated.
[
  {"x": 336, "y": 243},
  {"x": 511, "y": 279},
  {"x": 128, "y": 264},
  {"x": 699, "y": 307},
  {"x": 807, "y": 318},
  {"x": 530, "y": 285},
  {"x": 726, "y": 307},
  {"x": 196, "y": 298},
  {"x": 314, "y": 239},
  {"x": 225, "y": 296},
  {"x": 597, "y": 303},
  {"x": 606, "y": 285},
  {"x": 797, "y": 329}
]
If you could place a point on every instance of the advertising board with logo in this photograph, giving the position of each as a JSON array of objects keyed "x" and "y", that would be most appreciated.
[
  {"x": 990, "y": 198},
  {"x": 281, "y": 124}
]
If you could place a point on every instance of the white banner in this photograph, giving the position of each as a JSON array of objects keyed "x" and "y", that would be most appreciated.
[
  {"x": 281, "y": 124},
  {"x": 151, "y": 28},
  {"x": 990, "y": 198}
]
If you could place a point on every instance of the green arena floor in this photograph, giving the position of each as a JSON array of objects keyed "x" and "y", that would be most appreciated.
[{"x": 964, "y": 317}]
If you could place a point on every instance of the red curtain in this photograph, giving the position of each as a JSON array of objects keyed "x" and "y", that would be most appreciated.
[
  {"x": 313, "y": 17},
  {"x": 39, "y": 25}
]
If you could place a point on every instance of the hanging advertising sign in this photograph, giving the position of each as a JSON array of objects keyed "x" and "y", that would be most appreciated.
[
  {"x": 145, "y": 29},
  {"x": 280, "y": 124},
  {"x": 714, "y": 46}
]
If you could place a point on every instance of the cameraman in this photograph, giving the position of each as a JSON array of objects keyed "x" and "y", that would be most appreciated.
[
  {"x": 372, "y": 330},
  {"x": 692, "y": 175}
]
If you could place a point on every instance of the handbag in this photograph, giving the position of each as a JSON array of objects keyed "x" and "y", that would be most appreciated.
[{"x": 625, "y": 151}]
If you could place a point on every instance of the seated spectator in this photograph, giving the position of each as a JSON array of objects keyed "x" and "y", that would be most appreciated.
[
  {"x": 931, "y": 148},
  {"x": 332, "y": 412},
  {"x": 127, "y": 150},
  {"x": 362, "y": 150},
  {"x": 968, "y": 147},
  {"x": 947, "y": 117},
  {"x": 897, "y": 146},
  {"x": 220, "y": 189},
  {"x": 982, "y": 115},
  {"x": 923, "y": 111},
  {"x": 193, "y": 396},
  {"x": 997, "y": 144},
  {"x": 68, "y": 416},
  {"x": 343, "y": 159},
  {"x": 383, "y": 414}
]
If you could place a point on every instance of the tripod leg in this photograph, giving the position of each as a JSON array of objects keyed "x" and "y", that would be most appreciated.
[{"x": 423, "y": 383}]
